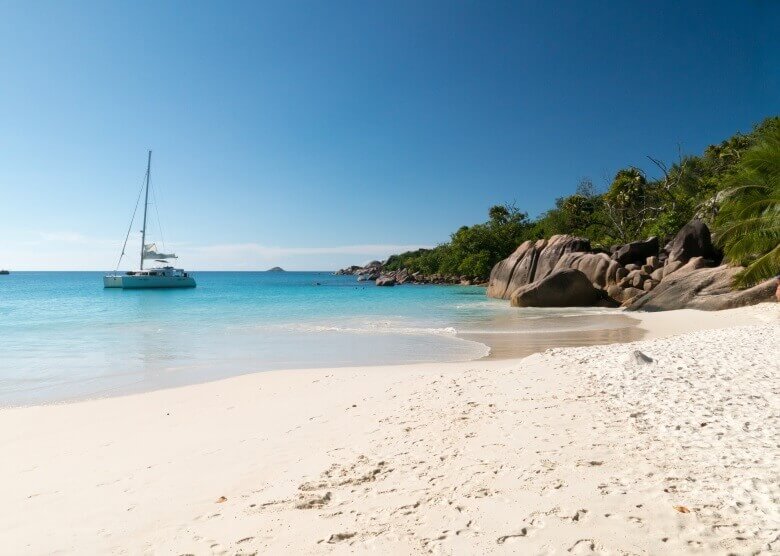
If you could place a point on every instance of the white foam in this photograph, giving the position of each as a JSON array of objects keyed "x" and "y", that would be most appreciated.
[{"x": 375, "y": 327}]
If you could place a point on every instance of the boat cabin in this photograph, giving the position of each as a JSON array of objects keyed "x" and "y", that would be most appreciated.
[{"x": 167, "y": 271}]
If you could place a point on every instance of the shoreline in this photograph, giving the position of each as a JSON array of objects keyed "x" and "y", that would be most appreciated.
[
  {"x": 503, "y": 345},
  {"x": 526, "y": 454},
  {"x": 506, "y": 335},
  {"x": 515, "y": 345},
  {"x": 500, "y": 344}
]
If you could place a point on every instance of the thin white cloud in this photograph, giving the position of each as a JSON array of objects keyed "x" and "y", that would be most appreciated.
[
  {"x": 246, "y": 256},
  {"x": 267, "y": 251},
  {"x": 58, "y": 237},
  {"x": 65, "y": 237},
  {"x": 70, "y": 250}
]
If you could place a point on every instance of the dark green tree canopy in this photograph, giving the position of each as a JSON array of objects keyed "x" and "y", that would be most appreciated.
[{"x": 722, "y": 186}]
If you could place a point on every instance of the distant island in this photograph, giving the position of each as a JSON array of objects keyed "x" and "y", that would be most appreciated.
[{"x": 276, "y": 269}]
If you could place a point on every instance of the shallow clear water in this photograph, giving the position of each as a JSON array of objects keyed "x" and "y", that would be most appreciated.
[{"x": 63, "y": 336}]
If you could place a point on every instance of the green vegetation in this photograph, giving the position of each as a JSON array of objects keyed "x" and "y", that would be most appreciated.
[
  {"x": 471, "y": 251},
  {"x": 733, "y": 187},
  {"x": 749, "y": 218}
]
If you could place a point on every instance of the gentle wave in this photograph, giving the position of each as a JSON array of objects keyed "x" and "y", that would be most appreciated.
[
  {"x": 533, "y": 313},
  {"x": 532, "y": 331},
  {"x": 370, "y": 328}
]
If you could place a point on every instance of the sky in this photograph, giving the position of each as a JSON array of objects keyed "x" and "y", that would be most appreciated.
[{"x": 317, "y": 134}]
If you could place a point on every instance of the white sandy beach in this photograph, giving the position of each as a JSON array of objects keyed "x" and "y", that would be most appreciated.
[{"x": 573, "y": 451}]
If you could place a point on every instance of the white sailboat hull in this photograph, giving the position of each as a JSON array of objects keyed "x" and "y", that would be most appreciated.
[
  {"x": 112, "y": 281},
  {"x": 130, "y": 282}
]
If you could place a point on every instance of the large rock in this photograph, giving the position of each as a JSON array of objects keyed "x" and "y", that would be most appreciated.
[
  {"x": 598, "y": 267},
  {"x": 623, "y": 294},
  {"x": 695, "y": 263},
  {"x": 639, "y": 279},
  {"x": 693, "y": 240},
  {"x": 636, "y": 252},
  {"x": 672, "y": 266},
  {"x": 634, "y": 278},
  {"x": 615, "y": 292},
  {"x": 402, "y": 276},
  {"x": 557, "y": 247},
  {"x": 502, "y": 272},
  {"x": 348, "y": 270},
  {"x": 532, "y": 260},
  {"x": 631, "y": 293},
  {"x": 706, "y": 289},
  {"x": 385, "y": 281},
  {"x": 562, "y": 288}
]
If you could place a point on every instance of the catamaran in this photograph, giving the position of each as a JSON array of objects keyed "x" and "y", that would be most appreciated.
[{"x": 165, "y": 276}]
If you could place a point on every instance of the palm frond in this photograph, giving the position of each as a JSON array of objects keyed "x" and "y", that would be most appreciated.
[
  {"x": 749, "y": 219},
  {"x": 761, "y": 269}
]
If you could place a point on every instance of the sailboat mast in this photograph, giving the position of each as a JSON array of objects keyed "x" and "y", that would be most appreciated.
[{"x": 146, "y": 205}]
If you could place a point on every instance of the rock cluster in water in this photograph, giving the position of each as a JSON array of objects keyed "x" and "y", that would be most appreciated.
[{"x": 375, "y": 272}]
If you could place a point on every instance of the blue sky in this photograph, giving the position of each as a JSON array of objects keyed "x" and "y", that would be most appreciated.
[{"x": 317, "y": 134}]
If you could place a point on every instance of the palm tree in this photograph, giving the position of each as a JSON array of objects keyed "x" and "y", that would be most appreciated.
[{"x": 748, "y": 223}]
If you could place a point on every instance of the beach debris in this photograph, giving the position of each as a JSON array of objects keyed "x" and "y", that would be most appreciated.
[
  {"x": 641, "y": 359},
  {"x": 682, "y": 509},
  {"x": 338, "y": 537},
  {"x": 221, "y": 499},
  {"x": 313, "y": 502}
]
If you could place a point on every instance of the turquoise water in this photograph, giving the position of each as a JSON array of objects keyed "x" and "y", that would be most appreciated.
[{"x": 63, "y": 336}]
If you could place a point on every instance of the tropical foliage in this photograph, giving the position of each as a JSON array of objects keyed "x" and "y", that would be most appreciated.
[
  {"x": 749, "y": 217},
  {"x": 733, "y": 186},
  {"x": 472, "y": 250}
]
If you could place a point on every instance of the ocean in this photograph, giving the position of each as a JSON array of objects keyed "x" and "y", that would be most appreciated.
[{"x": 64, "y": 337}]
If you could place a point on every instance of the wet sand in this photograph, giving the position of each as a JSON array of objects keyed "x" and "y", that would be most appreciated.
[{"x": 511, "y": 339}]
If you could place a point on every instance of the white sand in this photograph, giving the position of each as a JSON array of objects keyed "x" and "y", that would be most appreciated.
[{"x": 573, "y": 451}]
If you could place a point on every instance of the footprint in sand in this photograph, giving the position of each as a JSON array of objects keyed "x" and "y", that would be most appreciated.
[
  {"x": 217, "y": 548},
  {"x": 535, "y": 523},
  {"x": 339, "y": 537},
  {"x": 308, "y": 503},
  {"x": 578, "y": 516},
  {"x": 511, "y": 538},
  {"x": 583, "y": 546}
]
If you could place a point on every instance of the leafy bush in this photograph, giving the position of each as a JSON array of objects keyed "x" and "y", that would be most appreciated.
[
  {"x": 472, "y": 250},
  {"x": 741, "y": 173},
  {"x": 748, "y": 224}
]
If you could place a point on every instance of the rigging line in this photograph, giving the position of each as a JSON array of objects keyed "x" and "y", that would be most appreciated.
[{"x": 130, "y": 227}]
